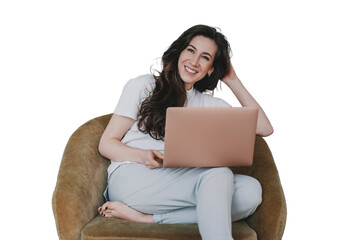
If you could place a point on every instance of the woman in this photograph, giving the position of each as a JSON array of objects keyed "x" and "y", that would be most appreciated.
[{"x": 139, "y": 189}]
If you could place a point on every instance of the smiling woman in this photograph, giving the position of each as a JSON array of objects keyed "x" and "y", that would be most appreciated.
[
  {"x": 197, "y": 60},
  {"x": 139, "y": 188}
]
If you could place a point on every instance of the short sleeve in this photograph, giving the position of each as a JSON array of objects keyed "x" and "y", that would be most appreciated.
[{"x": 135, "y": 91}]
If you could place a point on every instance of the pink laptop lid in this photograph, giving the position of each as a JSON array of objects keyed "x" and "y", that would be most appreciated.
[{"x": 210, "y": 137}]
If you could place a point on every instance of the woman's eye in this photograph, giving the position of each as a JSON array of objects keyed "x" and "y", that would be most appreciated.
[
  {"x": 206, "y": 58},
  {"x": 191, "y": 50}
]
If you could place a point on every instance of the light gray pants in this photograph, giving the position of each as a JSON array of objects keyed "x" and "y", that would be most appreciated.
[{"x": 211, "y": 197}]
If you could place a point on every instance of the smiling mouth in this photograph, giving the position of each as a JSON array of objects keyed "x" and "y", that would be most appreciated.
[{"x": 190, "y": 70}]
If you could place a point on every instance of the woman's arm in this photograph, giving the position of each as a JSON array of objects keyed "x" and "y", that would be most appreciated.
[
  {"x": 264, "y": 127},
  {"x": 111, "y": 147}
]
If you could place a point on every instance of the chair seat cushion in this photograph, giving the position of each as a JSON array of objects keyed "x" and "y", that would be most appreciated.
[{"x": 101, "y": 228}]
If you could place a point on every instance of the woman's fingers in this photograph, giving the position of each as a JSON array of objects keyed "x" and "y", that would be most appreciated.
[
  {"x": 158, "y": 158},
  {"x": 158, "y": 154},
  {"x": 154, "y": 159},
  {"x": 153, "y": 164}
]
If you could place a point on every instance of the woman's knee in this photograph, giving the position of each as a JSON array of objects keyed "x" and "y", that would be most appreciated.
[
  {"x": 248, "y": 191},
  {"x": 218, "y": 172},
  {"x": 214, "y": 174}
]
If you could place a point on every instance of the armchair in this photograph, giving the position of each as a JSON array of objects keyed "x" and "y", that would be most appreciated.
[{"x": 82, "y": 179}]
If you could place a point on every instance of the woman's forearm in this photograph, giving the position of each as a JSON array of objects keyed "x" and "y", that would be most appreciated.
[
  {"x": 112, "y": 148},
  {"x": 119, "y": 152},
  {"x": 110, "y": 145},
  {"x": 264, "y": 127}
]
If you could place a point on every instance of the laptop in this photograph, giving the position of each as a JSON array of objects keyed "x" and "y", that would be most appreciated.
[{"x": 210, "y": 136}]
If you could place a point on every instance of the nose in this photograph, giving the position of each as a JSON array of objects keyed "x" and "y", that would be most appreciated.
[{"x": 195, "y": 60}]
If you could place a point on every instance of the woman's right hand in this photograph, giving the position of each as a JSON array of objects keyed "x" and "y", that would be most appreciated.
[{"x": 152, "y": 159}]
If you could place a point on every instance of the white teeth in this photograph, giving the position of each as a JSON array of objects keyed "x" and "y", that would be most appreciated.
[{"x": 189, "y": 70}]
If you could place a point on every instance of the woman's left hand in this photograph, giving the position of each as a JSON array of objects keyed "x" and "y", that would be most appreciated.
[{"x": 230, "y": 76}]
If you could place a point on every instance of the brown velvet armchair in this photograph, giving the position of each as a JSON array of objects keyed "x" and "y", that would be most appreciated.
[{"x": 82, "y": 180}]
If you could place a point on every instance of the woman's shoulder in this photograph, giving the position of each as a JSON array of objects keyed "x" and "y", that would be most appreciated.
[
  {"x": 146, "y": 79},
  {"x": 140, "y": 83}
]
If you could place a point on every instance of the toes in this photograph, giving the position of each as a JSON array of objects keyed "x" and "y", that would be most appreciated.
[
  {"x": 108, "y": 214},
  {"x": 104, "y": 207},
  {"x": 110, "y": 209}
]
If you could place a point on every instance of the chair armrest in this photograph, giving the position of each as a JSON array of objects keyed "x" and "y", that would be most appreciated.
[
  {"x": 80, "y": 181},
  {"x": 269, "y": 219}
]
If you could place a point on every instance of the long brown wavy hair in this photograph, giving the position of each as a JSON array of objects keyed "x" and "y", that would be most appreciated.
[{"x": 169, "y": 88}]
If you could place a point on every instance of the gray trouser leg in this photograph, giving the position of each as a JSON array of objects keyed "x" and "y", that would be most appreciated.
[
  {"x": 247, "y": 197},
  {"x": 184, "y": 195}
]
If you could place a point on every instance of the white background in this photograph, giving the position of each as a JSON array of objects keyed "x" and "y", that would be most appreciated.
[{"x": 65, "y": 62}]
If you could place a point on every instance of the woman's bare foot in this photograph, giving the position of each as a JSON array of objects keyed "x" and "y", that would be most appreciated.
[{"x": 120, "y": 210}]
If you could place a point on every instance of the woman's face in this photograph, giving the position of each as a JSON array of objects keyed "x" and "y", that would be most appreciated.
[{"x": 196, "y": 60}]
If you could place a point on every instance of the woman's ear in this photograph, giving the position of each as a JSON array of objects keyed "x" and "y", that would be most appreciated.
[{"x": 210, "y": 71}]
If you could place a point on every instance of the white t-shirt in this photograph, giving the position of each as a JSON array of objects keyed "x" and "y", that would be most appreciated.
[{"x": 134, "y": 93}]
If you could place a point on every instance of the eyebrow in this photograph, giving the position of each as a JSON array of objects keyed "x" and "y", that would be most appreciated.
[{"x": 206, "y": 53}]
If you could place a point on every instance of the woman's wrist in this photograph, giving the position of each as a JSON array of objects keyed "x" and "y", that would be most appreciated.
[
  {"x": 141, "y": 156},
  {"x": 232, "y": 81}
]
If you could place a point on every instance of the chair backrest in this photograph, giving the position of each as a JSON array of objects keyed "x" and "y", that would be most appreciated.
[{"x": 81, "y": 179}]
